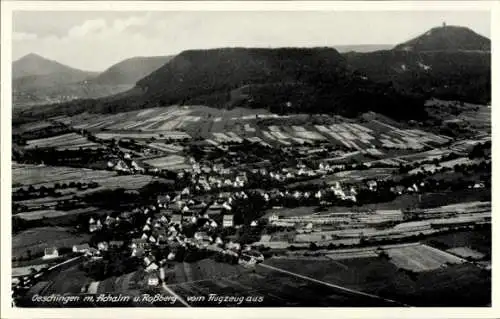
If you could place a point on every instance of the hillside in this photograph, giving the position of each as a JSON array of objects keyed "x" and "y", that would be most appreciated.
[
  {"x": 447, "y": 38},
  {"x": 312, "y": 80},
  {"x": 33, "y": 72},
  {"x": 131, "y": 70},
  {"x": 45, "y": 81},
  {"x": 448, "y": 62},
  {"x": 32, "y": 65}
]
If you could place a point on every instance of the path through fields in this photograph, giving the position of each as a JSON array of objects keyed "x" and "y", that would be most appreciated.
[{"x": 352, "y": 291}]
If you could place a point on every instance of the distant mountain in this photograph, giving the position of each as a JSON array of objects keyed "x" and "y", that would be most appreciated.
[
  {"x": 34, "y": 65},
  {"x": 37, "y": 80},
  {"x": 447, "y": 38},
  {"x": 131, "y": 70},
  {"x": 446, "y": 62},
  {"x": 362, "y": 47}
]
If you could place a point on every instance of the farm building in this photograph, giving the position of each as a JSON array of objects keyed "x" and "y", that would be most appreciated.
[
  {"x": 228, "y": 221},
  {"x": 50, "y": 253},
  {"x": 83, "y": 248}
]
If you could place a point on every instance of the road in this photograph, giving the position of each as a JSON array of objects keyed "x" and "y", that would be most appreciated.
[
  {"x": 348, "y": 290},
  {"x": 173, "y": 293}
]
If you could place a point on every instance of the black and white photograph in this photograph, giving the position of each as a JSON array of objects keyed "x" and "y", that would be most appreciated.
[{"x": 247, "y": 158}]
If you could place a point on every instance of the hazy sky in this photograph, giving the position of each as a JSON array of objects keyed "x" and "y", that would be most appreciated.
[{"x": 95, "y": 40}]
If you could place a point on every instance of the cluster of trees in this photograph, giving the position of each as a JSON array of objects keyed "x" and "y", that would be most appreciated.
[
  {"x": 405, "y": 168},
  {"x": 113, "y": 263},
  {"x": 453, "y": 75},
  {"x": 44, "y": 191},
  {"x": 73, "y": 158},
  {"x": 52, "y": 130},
  {"x": 481, "y": 150}
]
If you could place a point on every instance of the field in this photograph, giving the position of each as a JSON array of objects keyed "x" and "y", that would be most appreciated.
[
  {"x": 357, "y": 175},
  {"x": 164, "y": 118},
  {"x": 420, "y": 258},
  {"x": 169, "y": 148},
  {"x": 171, "y": 162},
  {"x": 276, "y": 288},
  {"x": 52, "y": 213},
  {"x": 236, "y": 125},
  {"x": 143, "y": 135},
  {"x": 456, "y": 285},
  {"x": 70, "y": 281},
  {"x": 466, "y": 252},
  {"x": 34, "y": 174},
  {"x": 34, "y": 126},
  {"x": 478, "y": 240},
  {"x": 24, "y": 175},
  {"x": 447, "y": 164},
  {"x": 69, "y": 141},
  {"x": 37, "y": 239}
]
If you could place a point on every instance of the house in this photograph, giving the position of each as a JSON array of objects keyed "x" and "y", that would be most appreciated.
[
  {"x": 125, "y": 215},
  {"x": 171, "y": 256},
  {"x": 176, "y": 219},
  {"x": 233, "y": 246},
  {"x": 137, "y": 252},
  {"x": 103, "y": 246},
  {"x": 153, "y": 280},
  {"x": 148, "y": 260},
  {"x": 162, "y": 271},
  {"x": 273, "y": 218},
  {"x": 163, "y": 219},
  {"x": 83, "y": 248},
  {"x": 50, "y": 253},
  {"x": 109, "y": 220},
  {"x": 92, "y": 252},
  {"x": 93, "y": 228},
  {"x": 228, "y": 221},
  {"x": 138, "y": 243},
  {"x": 226, "y": 206},
  {"x": 372, "y": 185},
  {"x": 116, "y": 244},
  {"x": 247, "y": 261},
  {"x": 152, "y": 267},
  {"x": 200, "y": 236}
]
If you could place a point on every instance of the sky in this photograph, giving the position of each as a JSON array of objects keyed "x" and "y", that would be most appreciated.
[{"x": 94, "y": 41}]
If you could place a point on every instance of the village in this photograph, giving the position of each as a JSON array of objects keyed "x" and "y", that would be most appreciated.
[{"x": 141, "y": 211}]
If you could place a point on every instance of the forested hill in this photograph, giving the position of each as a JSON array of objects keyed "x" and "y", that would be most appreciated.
[
  {"x": 282, "y": 80},
  {"x": 131, "y": 70},
  {"x": 447, "y": 38},
  {"x": 448, "y": 62}
]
